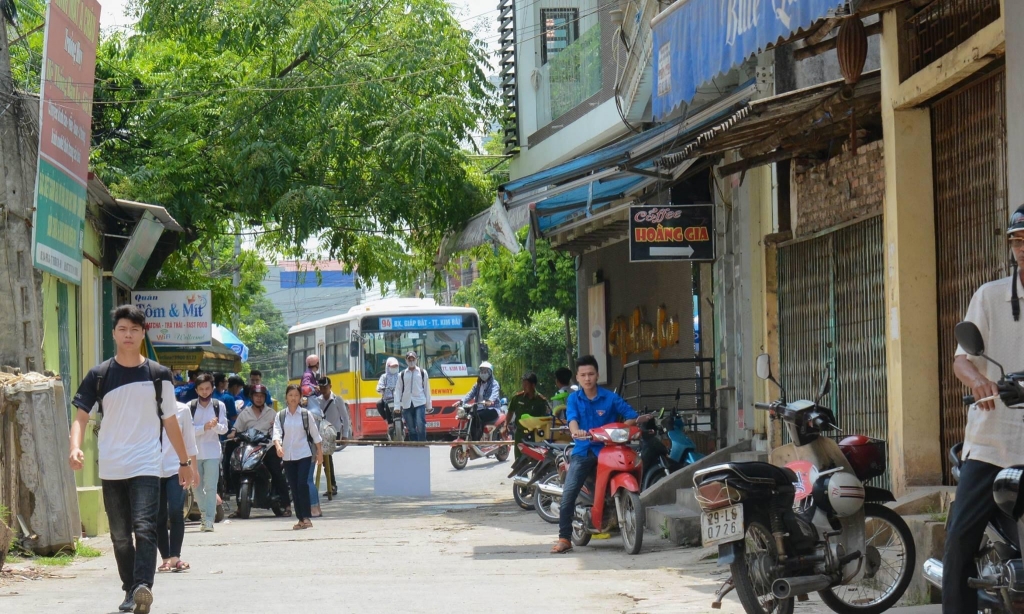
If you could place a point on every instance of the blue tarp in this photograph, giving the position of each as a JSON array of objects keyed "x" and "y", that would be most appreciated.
[
  {"x": 228, "y": 338},
  {"x": 566, "y": 207},
  {"x": 696, "y": 40}
]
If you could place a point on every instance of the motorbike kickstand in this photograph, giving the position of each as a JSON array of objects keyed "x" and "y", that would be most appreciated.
[{"x": 722, "y": 591}]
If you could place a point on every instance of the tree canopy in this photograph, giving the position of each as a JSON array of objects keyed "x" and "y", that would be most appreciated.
[{"x": 337, "y": 121}]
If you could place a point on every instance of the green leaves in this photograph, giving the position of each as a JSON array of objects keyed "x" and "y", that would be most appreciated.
[{"x": 337, "y": 122}]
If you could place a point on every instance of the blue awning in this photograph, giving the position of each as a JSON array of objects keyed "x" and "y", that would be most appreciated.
[
  {"x": 696, "y": 40},
  {"x": 578, "y": 203}
]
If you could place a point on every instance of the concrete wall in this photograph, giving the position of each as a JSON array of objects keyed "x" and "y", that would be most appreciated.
[{"x": 647, "y": 285}]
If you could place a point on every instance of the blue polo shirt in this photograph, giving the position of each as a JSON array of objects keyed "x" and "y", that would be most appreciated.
[{"x": 606, "y": 408}]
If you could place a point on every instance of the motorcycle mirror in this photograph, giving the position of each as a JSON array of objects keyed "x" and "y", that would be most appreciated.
[
  {"x": 826, "y": 387},
  {"x": 969, "y": 338},
  {"x": 353, "y": 349},
  {"x": 764, "y": 367}
]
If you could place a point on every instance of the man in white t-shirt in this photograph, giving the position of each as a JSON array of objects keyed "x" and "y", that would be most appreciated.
[
  {"x": 135, "y": 398},
  {"x": 994, "y": 438}
]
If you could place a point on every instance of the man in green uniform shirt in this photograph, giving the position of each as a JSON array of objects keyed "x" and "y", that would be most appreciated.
[{"x": 526, "y": 402}]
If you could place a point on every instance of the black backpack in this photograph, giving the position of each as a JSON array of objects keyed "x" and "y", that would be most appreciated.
[
  {"x": 101, "y": 374},
  {"x": 305, "y": 425},
  {"x": 194, "y": 404}
]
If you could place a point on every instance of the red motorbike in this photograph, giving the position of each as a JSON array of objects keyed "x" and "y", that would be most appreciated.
[{"x": 612, "y": 498}]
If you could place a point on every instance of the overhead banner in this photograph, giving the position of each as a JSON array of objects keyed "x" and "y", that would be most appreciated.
[
  {"x": 176, "y": 317},
  {"x": 673, "y": 232},
  {"x": 697, "y": 40},
  {"x": 136, "y": 254},
  {"x": 65, "y": 130}
]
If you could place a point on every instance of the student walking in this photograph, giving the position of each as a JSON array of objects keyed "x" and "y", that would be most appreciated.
[
  {"x": 412, "y": 397},
  {"x": 135, "y": 398},
  {"x": 298, "y": 444},
  {"x": 210, "y": 420},
  {"x": 170, "y": 523}
]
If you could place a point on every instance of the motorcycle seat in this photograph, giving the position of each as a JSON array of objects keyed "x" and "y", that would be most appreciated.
[
  {"x": 557, "y": 445},
  {"x": 782, "y": 476}
]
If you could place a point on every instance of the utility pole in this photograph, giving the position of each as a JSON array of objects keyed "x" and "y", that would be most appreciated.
[{"x": 20, "y": 284}]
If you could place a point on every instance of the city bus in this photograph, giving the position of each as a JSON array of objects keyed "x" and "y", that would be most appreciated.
[{"x": 354, "y": 346}]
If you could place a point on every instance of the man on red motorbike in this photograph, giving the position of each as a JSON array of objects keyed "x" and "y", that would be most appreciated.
[{"x": 588, "y": 408}]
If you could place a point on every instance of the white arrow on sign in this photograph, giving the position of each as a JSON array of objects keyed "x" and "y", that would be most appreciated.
[{"x": 672, "y": 251}]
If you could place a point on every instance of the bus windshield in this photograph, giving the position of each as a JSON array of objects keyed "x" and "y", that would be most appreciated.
[{"x": 451, "y": 353}]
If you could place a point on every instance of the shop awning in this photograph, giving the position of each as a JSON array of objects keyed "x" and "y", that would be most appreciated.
[
  {"x": 214, "y": 357},
  {"x": 791, "y": 124},
  {"x": 696, "y": 40},
  {"x": 572, "y": 189}
]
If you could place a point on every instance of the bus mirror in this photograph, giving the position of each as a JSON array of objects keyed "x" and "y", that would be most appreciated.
[
  {"x": 485, "y": 352},
  {"x": 353, "y": 349}
]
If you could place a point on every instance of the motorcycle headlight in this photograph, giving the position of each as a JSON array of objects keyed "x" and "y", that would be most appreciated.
[
  {"x": 461, "y": 415},
  {"x": 236, "y": 459},
  {"x": 250, "y": 462},
  {"x": 618, "y": 435}
]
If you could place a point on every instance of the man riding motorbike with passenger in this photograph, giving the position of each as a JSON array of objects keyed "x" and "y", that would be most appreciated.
[
  {"x": 487, "y": 392},
  {"x": 260, "y": 417},
  {"x": 994, "y": 431}
]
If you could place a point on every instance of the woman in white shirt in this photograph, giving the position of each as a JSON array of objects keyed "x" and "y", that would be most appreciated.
[
  {"x": 298, "y": 441},
  {"x": 210, "y": 418},
  {"x": 172, "y": 496}
]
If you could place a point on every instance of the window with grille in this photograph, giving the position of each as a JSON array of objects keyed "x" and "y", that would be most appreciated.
[
  {"x": 561, "y": 29},
  {"x": 300, "y": 345},
  {"x": 337, "y": 349}
]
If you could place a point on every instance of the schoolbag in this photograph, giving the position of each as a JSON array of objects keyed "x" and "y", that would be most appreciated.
[
  {"x": 158, "y": 388},
  {"x": 193, "y": 405},
  {"x": 401, "y": 378},
  {"x": 305, "y": 425}
]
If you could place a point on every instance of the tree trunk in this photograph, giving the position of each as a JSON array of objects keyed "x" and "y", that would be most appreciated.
[{"x": 568, "y": 343}]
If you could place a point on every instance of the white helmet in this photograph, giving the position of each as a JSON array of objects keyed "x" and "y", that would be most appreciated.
[
  {"x": 840, "y": 492},
  {"x": 487, "y": 365}
]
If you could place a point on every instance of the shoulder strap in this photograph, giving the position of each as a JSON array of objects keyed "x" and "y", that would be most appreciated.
[
  {"x": 280, "y": 420},
  {"x": 423, "y": 379},
  {"x": 192, "y": 405},
  {"x": 158, "y": 389},
  {"x": 101, "y": 374},
  {"x": 305, "y": 425}
]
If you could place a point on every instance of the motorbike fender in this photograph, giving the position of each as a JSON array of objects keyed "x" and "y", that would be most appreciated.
[
  {"x": 727, "y": 553},
  {"x": 624, "y": 480},
  {"x": 516, "y": 466},
  {"x": 873, "y": 494},
  {"x": 540, "y": 471}
]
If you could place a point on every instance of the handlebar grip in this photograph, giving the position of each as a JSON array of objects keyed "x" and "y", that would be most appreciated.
[
  {"x": 968, "y": 399},
  {"x": 765, "y": 406}
]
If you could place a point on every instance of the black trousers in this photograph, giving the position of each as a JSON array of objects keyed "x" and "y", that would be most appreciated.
[
  {"x": 972, "y": 510},
  {"x": 298, "y": 474},
  {"x": 132, "y": 509}
]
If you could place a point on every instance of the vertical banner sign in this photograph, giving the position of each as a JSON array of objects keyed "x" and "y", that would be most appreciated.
[
  {"x": 673, "y": 232},
  {"x": 65, "y": 128}
]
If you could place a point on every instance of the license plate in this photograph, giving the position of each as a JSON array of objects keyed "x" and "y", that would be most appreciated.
[
  {"x": 371, "y": 412},
  {"x": 722, "y": 526},
  {"x": 433, "y": 425}
]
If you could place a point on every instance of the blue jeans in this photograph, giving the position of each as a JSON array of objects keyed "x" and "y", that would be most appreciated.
[
  {"x": 314, "y": 497},
  {"x": 132, "y": 510},
  {"x": 416, "y": 420},
  {"x": 206, "y": 492},
  {"x": 580, "y": 468},
  {"x": 172, "y": 504}
]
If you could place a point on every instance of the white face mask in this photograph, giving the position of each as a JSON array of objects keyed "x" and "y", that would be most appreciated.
[
  {"x": 484, "y": 376},
  {"x": 392, "y": 370}
]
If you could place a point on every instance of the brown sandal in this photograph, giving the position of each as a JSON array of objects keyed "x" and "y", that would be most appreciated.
[
  {"x": 181, "y": 566},
  {"x": 164, "y": 567},
  {"x": 561, "y": 547},
  {"x": 299, "y": 526}
]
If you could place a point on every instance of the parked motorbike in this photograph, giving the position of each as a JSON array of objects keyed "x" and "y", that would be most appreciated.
[
  {"x": 1000, "y": 571},
  {"x": 531, "y": 465},
  {"x": 658, "y": 460},
  {"x": 495, "y": 431},
  {"x": 806, "y": 522},
  {"x": 610, "y": 501},
  {"x": 548, "y": 493},
  {"x": 248, "y": 462}
]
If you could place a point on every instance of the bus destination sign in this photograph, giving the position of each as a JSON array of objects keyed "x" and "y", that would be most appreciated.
[{"x": 420, "y": 322}]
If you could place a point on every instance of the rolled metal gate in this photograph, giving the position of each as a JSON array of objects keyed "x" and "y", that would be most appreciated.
[
  {"x": 832, "y": 315},
  {"x": 969, "y": 157}
]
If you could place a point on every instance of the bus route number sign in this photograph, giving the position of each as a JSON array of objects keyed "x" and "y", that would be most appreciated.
[{"x": 421, "y": 322}]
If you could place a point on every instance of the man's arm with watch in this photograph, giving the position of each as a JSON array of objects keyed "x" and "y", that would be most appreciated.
[{"x": 173, "y": 432}]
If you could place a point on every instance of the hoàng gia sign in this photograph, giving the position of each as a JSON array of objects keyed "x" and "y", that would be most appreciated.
[
  {"x": 65, "y": 129},
  {"x": 671, "y": 232}
]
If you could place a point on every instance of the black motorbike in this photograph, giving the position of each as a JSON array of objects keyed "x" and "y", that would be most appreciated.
[
  {"x": 999, "y": 579},
  {"x": 255, "y": 484},
  {"x": 654, "y": 454}
]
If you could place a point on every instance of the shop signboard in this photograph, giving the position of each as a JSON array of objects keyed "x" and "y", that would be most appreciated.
[
  {"x": 671, "y": 232},
  {"x": 176, "y": 317},
  {"x": 136, "y": 254},
  {"x": 65, "y": 116}
]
